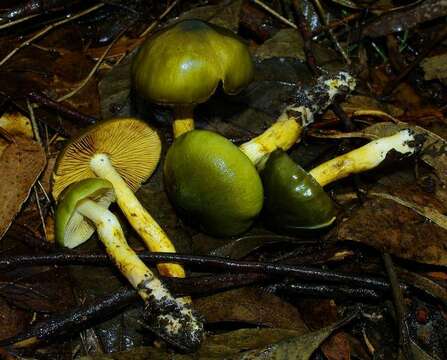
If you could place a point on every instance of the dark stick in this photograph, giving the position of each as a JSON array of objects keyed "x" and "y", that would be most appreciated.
[
  {"x": 302, "y": 272},
  {"x": 399, "y": 306},
  {"x": 327, "y": 291},
  {"x": 83, "y": 316},
  {"x": 63, "y": 109}
]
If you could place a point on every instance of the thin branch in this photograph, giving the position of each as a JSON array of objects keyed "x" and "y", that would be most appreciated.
[
  {"x": 18, "y": 21},
  {"x": 301, "y": 272},
  {"x": 63, "y": 109},
  {"x": 47, "y": 29},
  {"x": 275, "y": 14},
  {"x": 161, "y": 17}
]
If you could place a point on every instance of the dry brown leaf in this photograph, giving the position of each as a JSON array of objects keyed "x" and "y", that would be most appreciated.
[
  {"x": 390, "y": 227},
  {"x": 21, "y": 164},
  {"x": 252, "y": 306},
  {"x": 337, "y": 347}
]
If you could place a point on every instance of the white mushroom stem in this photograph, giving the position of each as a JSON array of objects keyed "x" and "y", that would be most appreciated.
[
  {"x": 171, "y": 318},
  {"x": 286, "y": 131},
  {"x": 365, "y": 158},
  {"x": 152, "y": 234}
]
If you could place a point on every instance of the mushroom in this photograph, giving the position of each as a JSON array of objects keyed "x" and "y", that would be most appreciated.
[
  {"x": 82, "y": 207},
  {"x": 124, "y": 151},
  {"x": 183, "y": 64},
  {"x": 212, "y": 182},
  {"x": 209, "y": 180},
  {"x": 295, "y": 199}
]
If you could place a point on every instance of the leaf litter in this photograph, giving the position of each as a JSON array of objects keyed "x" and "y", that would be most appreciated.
[{"x": 401, "y": 212}]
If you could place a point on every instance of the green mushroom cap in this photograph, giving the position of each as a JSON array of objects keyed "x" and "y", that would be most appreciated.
[
  {"x": 72, "y": 229},
  {"x": 184, "y": 63},
  {"x": 212, "y": 182},
  {"x": 294, "y": 200}
]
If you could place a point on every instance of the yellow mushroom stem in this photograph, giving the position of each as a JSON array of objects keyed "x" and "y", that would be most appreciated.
[
  {"x": 287, "y": 129},
  {"x": 152, "y": 234},
  {"x": 364, "y": 158},
  {"x": 170, "y": 323},
  {"x": 112, "y": 236},
  {"x": 183, "y": 120},
  {"x": 283, "y": 134}
]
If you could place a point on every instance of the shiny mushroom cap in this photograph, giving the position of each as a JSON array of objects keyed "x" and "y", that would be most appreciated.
[
  {"x": 184, "y": 63},
  {"x": 132, "y": 146},
  {"x": 294, "y": 200},
  {"x": 72, "y": 228}
]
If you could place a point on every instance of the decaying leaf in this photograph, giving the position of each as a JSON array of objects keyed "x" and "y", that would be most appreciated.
[
  {"x": 435, "y": 67},
  {"x": 251, "y": 305},
  {"x": 289, "y": 43},
  {"x": 14, "y": 124},
  {"x": 297, "y": 347},
  {"x": 225, "y": 14},
  {"x": 405, "y": 18},
  {"x": 390, "y": 227},
  {"x": 222, "y": 346},
  {"x": 21, "y": 163}
]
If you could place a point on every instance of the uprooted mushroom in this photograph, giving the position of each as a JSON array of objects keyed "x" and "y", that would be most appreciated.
[
  {"x": 295, "y": 199},
  {"x": 82, "y": 207},
  {"x": 125, "y": 152},
  {"x": 214, "y": 183}
]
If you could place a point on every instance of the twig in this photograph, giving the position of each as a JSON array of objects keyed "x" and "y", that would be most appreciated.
[
  {"x": 47, "y": 29},
  {"x": 84, "y": 316},
  {"x": 399, "y": 306},
  {"x": 18, "y": 21},
  {"x": 161, "y": 17},
  {"x": 275, "y": 14},
  {"x": 63, "y": 109},
  {"x": 336, "y": 23},
  {"x": 42, "y": 220},
  {"x": 92, "y": 71},
  {"x": 323, "y": 19},
  {"x": 301, "y": 272},
  {"x": 33, "y": 122}
]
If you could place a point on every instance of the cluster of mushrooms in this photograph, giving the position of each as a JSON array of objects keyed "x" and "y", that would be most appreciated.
[{"x": 221, "y": 187}]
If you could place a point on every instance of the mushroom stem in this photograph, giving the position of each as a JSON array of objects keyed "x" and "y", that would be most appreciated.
[
  {"x": 171, "y": 318},
  {"x": 112, "y": 236},
  {"x": 281, "y": 135},
  {"x": 183, "y": 120},
  {"x": 287, "y": 129},
  {"x": 366, "y": 157},
  {"x": 152, "y": 234}
]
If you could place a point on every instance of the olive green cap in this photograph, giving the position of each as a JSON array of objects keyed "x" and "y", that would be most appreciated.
[
  {"x": 210, "y": 181},
  {"x": 294, "y": 200},
  {"x": 184, "y": 63},
  {"x": 71, "y": 228}
]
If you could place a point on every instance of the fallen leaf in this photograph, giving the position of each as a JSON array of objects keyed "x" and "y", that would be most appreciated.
[
  {"x": 297, "y": 347},
  {"x": 21, "y": 163},
  {"x": 226, "y": 14},
  {"x": 390, "y": 227},
  {"x": 222, "y": 346},
  {"x": 289, "y": 43},
  {"x": 435, "y": 67},
  {"x": 253, "y": 306},
  {"x": 405, "y": 18},
  {"x": 13, "y": 320}
]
